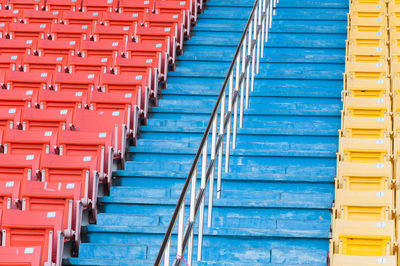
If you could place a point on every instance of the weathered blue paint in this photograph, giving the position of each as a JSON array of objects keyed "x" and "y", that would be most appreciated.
[{"x": 276, "y": 199}]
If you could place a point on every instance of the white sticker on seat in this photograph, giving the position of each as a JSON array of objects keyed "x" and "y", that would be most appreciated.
[
  {"x": 63, "y": 112},
  {"x": 10, "y": 184},
  {"x": 148, "y": 61},
  {"x": 115, "y": 113},
  {"x": 379, "y": 81},
  {"x": 381, "y": 224},
  {"x": 167, "y": 29},
  {"x": 78, "y": 93},
  {"x": 90, "y": 76},
  {"x": 381, "y": 260},
  {"x": 12, "y": 111},
  {"x": 115, "y": 44},
  {"x": 380, "y": 119},
  {"x": 104, "y": 60},
  {"x": 135, "y": 15},
  {"x": 102, "y": 135},
  {"x": 72, "y": 43},
  {"x": 70, "y": 186},
  {"x": 29, "y": 92},
  {"x": 48, "y": 133},
  {"x": 59, "y": 58},
  {"x": 42, "y": 26},
  {"x": 378, "y": 33},
  {"x": 128, "y": 95},
  {"x": 158, "y": 45},
  {"x": 380, "y": 165},
  {"x": 138, "y": 77},
  {"x": 380, "y": 194},
  {"x": 87, "y": 158},
  {"x": 51, "y": 214},
  {"x": 379, "y": 20},
  {"x": 14, "y": 57},
  {"x": 125, "y": 28},
  {"x": 30, "y": 157},
  {"x": 175, "y": 16},
  {"x": 28, "y": 251},
  {"x": 378, "y": 49},
  {"x": 28, "y": 41},
  {"x": 378, "y": 65},
  {"x": 43, "y": 75}
]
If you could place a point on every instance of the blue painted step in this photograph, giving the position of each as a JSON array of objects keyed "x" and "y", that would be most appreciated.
[{"x": 276, "y": 199}]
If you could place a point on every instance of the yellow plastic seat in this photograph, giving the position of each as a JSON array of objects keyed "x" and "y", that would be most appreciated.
[
  {"x": 364, "y": 205},
  {"x": 374, "y": 46},
  {"x": 366, "y": 127},
  {"x": 393, "y": 6},
  {"x": 364, "y": 150},
  {"x": 368, "y": 32},
  {"x": 367, "y": 58},
  {"x": 367, "y": 106},
  {"x": 366, "y": 17},
  {"x": 366, "y": 88},
  {"x": 371, "y": 5},
  {"x": 347, "y": 260},
  {"x": 364, "y": 176},
  {"x": 367, "y": 70},
  {"x": 364, "y": 238}
]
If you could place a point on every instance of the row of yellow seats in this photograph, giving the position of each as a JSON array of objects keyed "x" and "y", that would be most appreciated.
[{"x": 363, "y": 216}]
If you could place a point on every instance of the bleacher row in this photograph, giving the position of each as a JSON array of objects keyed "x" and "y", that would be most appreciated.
[
  {"x": 365, "y": 226},
  {"x": 76, "y": 76}
]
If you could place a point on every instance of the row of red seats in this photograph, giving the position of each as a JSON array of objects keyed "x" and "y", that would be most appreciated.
[
  {"x": 119, "y": 6},
  {"x": 112, "y": 132},
  {"x": 75, "y": 76},
  {"x": 155, "y": 53}
]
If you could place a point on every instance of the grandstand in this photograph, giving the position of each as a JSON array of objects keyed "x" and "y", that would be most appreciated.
[{"x": 168, "y": 132}]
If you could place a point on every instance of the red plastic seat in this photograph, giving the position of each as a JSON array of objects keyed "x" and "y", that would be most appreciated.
[
  {"x": 101, "y": 49},
  {"x": 45, "y": 120},
  {"x": 8, "y": 16},
  {"x": 127, "y": 102},
  {"x": 56, "y": 48},
  {"x": 73, "y": 169},
  {"x": 173, "y": 21},
  {"x": 9, "y": 117},
  {"x": 29, "y": 142},
  {"x": 40, "y": 64},
  {"x": 69, "y": 32},
  {"x": 157, "y": 51},
  {"x": 121, "y": 19},
  {"x": 17, "y": 47},
  {"x": 40, "y": 17},
  {"x": 17, "y": 80},
  {"x": 54, "y": 5},
  {"x": 9, "y": 194},
  {"x": 19, "y": 167},
  {"x": 62, "y": 197},
  {"x": 111, "y": 33},
  {"x": 77, "y": 64},
  {"x": 61, "y": 100},
  {"x": 135, "y": 6},
  {"x": 160, "y": 35},
  {"x": 77, "y": 82},
  {"x": 17, "y": 98},
  {"x": 10, "y": 62},
  {"x": 98, "y": 5},
  {"x": 22, "y": 4},
  {"x": 17, "y": 256},
  {"x": 35, "y": 228},
  {"x": 96, "y": 144},
  {"x": 80, "y": 18},
  {"x": 21, "y": 31},
  {"x": 115, "y": 121}
]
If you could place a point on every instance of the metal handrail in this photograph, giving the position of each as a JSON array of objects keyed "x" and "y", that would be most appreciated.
[{"x": 247, "y": 62}]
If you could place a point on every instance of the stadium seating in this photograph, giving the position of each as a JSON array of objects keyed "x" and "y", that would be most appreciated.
[
  {"x": 76, "y": 78},
  {"x": 364, "y": 214}
]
